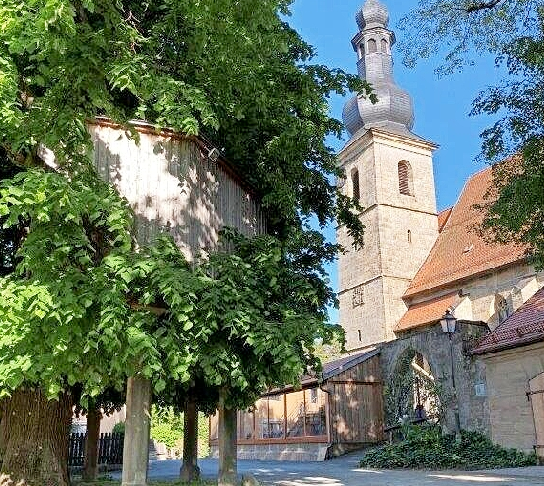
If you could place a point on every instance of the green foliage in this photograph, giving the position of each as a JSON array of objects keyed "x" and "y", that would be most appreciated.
[
  {"x": 86, "y": 307},
  {"x": 119, "y": 428},
  {"x": 461, "y": 30},
  {"x": 80, "y": 287},
  {"x": 167, "y": 427},
  {"x": 263, "y": 317},
  {"x": 404, "y": 385},
  {"x": 513, "y": 32},
  {"x": 230, "y": 69},
  {"x": 426, "y": 447}
]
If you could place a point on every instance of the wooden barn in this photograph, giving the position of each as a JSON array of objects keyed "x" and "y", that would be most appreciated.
[
  {"x": 175, "y": 183},
  {"x": 331, "y": 414}
]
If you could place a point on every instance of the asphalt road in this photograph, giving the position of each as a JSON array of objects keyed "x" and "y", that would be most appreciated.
[{"x": 344, "y": 472}]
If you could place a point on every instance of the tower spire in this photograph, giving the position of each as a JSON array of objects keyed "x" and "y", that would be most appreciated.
[{"x": 394, "y": 110}]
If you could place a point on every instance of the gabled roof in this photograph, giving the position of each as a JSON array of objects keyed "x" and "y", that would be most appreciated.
[
  {"x": 330, "y": 370},
  {"x": 338, "y": 366},
  {"x": 428, "y": 312},
  {"x": 523, "y": 327},
  {"x": 460, "y": 252}
]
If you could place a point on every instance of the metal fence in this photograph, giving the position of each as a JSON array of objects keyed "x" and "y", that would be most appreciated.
[{"x": 110, "y": 449}]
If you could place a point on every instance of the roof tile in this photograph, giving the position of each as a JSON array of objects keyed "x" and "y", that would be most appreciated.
[
  {"x": 427, "y": 312},
  {"x": 525, "y": 326},
  {"x": 460, "y": 251}
]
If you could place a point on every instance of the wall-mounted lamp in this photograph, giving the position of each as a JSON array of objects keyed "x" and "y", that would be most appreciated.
[{"x": 214, "y": 154}]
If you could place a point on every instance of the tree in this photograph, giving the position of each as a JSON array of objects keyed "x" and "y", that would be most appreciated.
[
  {"x": 263, "y": 319},
  {"x": 80, "y": 296},
  {"x": 512, "y": 31}
]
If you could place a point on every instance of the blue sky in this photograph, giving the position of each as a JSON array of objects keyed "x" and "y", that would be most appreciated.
[{"x": 442, "y": 105}]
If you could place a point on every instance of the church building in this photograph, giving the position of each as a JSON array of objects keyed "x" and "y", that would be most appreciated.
[
  {"x": 418, "y": 266},
  {"x": 440, "y": 325}
]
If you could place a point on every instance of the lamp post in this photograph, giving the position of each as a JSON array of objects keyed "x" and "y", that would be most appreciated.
[{"x": 449, "y": 325}]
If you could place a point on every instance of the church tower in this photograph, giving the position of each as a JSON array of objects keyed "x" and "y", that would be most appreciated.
[{"x": 389, "y": 170}]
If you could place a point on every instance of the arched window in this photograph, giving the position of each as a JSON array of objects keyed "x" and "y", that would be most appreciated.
[
  {"x": 384, "y": 45},
  {"x": 372, "y": 46},
  {"x": 409, "y": 236},
  {"x": 362, "y": 49},
  {"x": 406, "y": 180},
  {"x": 355, "y": 188}
]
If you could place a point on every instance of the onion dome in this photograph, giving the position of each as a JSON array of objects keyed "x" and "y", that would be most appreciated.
[
  {"x": 372, "y": 13},
  {"x": 394, "y": 110}
]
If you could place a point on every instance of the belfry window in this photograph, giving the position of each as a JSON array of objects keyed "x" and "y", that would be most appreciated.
[
  {"x": 361, "y": 50},
  {"x": 372, "y": 46},
  {"x": 355, "y": 188},
  {"x": 384, "y": 45},
  {"x": 406, "y": 180}
]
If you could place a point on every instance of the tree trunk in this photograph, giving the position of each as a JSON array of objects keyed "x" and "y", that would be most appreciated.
[
  {"x": 34, "y": 435},
  {"x": 90, "y": 467},
  {"x": 189, "y": 470},
  {"x": 137, "y": 427},
  {"x": 228, "y": 473}
]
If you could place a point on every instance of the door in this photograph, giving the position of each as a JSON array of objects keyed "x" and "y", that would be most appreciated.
[{"x": 536, "y": 394}]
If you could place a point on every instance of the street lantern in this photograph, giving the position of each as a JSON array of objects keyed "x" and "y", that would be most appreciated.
[{"x": 448, "y": 323}]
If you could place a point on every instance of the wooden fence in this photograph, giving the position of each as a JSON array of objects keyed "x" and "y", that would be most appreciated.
[{"x": 110, "y": 449}]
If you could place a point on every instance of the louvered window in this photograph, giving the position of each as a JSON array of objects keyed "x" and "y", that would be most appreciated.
[
  {"x": 405, "y": 179},
  {"x": 355, "y": 185}
]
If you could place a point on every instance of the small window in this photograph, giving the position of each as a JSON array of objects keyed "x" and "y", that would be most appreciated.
[
  {"x": 502, "y": 310},
  {"x": 372, "y": 46},
  {"x": 356, "y": 192},
  {"x": 406, "y": 183},
  {"x": 313, "y": 395},
  {"x": 360, "y": 336},
  {"x": 409, "y": 236},
  {"x": 384, "y": 45}
]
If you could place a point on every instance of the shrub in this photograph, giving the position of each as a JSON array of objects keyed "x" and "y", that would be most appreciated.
[
  {"x": 119, "y": 428},
  {"x": 425, "y": 447}
]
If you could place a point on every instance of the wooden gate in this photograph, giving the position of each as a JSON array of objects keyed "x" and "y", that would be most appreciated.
[{"x": 536, "y": 394}]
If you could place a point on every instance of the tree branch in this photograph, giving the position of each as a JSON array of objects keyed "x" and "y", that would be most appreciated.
[{"x": 474, "y": 7}]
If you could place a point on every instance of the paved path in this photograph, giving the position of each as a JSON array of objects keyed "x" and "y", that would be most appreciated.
[{"x": 344, "y": 472}]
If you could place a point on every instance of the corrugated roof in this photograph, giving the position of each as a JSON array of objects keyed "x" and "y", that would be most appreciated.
[
  {"x": 427, "y": 312},
  {"x": 525, "y": 326},
  {"x": 459, "y": 251}
]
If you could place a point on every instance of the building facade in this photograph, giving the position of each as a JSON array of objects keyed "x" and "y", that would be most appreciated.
[{"x": 417, "y": 264}]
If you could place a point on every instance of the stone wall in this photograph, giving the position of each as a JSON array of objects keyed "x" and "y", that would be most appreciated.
[
  {"x": 434, "y": 345},
  {"x": 279, "y": 452},
  {"x": 517, "y": 284},
  {"x": 508, "y": 375}
]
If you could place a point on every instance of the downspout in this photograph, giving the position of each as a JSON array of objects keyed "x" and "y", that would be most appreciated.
[{"x": 328, "y": 420}]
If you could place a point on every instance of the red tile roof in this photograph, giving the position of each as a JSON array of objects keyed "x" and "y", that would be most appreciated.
[
  {"x": 525, "y": 326},
  {"x": 427, "y": 312},
  {"x": 460, "y": 252},
  {"x": 443, "y": 217}
]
